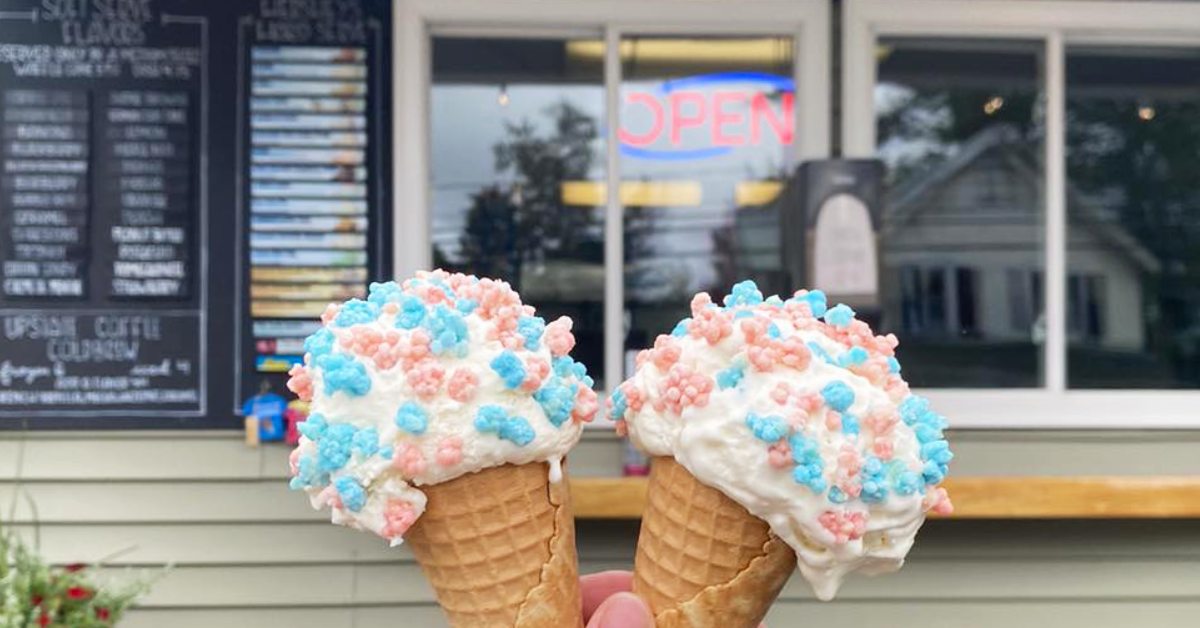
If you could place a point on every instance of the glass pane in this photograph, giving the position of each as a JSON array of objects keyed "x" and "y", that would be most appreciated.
[
  {"x": 1133, "y": 202},
  {"x": 707, "y": 136},
  {"x": 960, "y": 127},
  {"x": 517, "y": 166}
]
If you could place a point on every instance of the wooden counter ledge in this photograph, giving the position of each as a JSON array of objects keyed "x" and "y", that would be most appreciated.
[{"x": 1000, "y": 497}]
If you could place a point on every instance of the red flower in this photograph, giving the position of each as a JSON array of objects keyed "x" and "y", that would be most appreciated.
[
  {"x": 79, "y": 593},
  {"x": 36, "y": 600},
  {"x": 73, "y": 567},
  {"x": 102, "y": 613},
  {"x": 43, "y": 620}
]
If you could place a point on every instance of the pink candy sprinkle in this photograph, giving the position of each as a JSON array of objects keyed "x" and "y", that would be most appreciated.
[
  {"x": 844, "y": 526},
  {"x": 558, "y": 337},
  {"x": 833, "y": 420},
  {"x": 294, "y": 461},
  {"x": 666, "y": 352},
  {"x": 587, "y": 404},
  {"x": 938, "y": 501},
  {"x": 462, "y": 384},
  {"x": 409, "y": 459},
  {"x": 622, "y": 428},
  {"x": 300, "y": 382},
  {"x": 449, "y": 451},
  {"x": 330, "y": 313},
  {"x": 810, "y": 402},
  {"x": 781, "y": 392},
  {"x": 709, "y": 323},
  {"x": 536, "y": 371},
  {"x": 329, "y": 497},
  {"x": 779, "y": 455},
  {"x": 634, "y": 399},
  {"x": 762, "y": 357},
  {"x": 884, "y": 448},
  {"x": 683, "y": 387},
  {"x": 793, "y": 353},
  {"x": 426, "y": 378},
  {"x": 415, "y": 348},
  {"x": 399, "y": 516}
]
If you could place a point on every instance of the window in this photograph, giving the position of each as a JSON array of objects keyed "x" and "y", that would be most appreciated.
[
  {"x": 708, "y": 127},
  {"x": 1057, "y": 151},
  {"x": 517, "y": 144},
  {"x": 959, "y": 125},
  {"x": 1133, "y": 203}
]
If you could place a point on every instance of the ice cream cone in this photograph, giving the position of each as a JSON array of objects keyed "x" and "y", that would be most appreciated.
[
  {"x": 702, "y": 559},
  {"x": 498, "y": 546}
]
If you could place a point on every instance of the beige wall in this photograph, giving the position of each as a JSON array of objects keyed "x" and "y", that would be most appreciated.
[{"x": 248, "y": 552}]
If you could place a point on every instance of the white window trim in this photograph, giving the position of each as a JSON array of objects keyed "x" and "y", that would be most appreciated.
[
  {"x": 806, "y": 20},
  {"x": 1056, "y": 23}
]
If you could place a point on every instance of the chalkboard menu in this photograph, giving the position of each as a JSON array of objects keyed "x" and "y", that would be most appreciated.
[{"x": 181, "y": 183}]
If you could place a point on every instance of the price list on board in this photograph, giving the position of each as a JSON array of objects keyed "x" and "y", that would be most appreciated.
[{"x": 309, "y": 194}]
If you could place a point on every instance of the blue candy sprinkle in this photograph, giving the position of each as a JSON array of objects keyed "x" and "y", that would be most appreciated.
[
  {"x": 333, "y": 450},
  {"x": 448, "y": 330},
  {"x": 353, "y": 496},
  {"x": 774, "y": 301},
  {"x": 681, "y": 328},
  {"x": 314, "y": 426},
  {"x": 837, "y": 496},
  {"x": 874, "y": 481},
  {"x": 356, "y": 312},
  {"x": 342, "y": 372},
  {"x": 773, "y": 331},
  {"x": 366, "y": 441},
  {"x": 412, "y": 418},
  {"x": 740, "y": 314},
  {"x": 320, "y": 343},
  {"x": 744, "y": 293},
  {"x": 557, "y": 398},
  {"x": 893, "y": 365},
  {"x": 768, "y": 428},
  {"x": 566, "y": 367},
  {"x": 853, "y": 357},
  {"x": 816, "y": 302},
  {"x": 807, "y": 455},
  {"x": 906, "y": 483},
  {"x": 493, "y": 419},
  {"x": 619, "y": 405},
  {"x": 307, "y": 474},
  {"x": 838, "y": 395},
  {"x": 840, "y": 315},
  {"x": 510, "y": 369},
  {"x": 849, "y": 424},
  {"x": 465, "y": 306},
  {"x": 382, "y": 293},
  {"x": 412, "y": 312},
  {"x": 530, "y": 328},
  {"x": 730, "y": 377},
  {"x": 820, "y": 352}
]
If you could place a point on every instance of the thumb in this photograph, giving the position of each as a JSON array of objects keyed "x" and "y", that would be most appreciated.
[{"x": 622, "y": 610}]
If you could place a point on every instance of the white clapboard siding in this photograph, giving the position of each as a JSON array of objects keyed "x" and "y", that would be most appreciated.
[{"x": 248, "y": 552}]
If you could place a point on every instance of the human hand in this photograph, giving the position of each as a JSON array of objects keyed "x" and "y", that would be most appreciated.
[{"x": 609, "y": 603}]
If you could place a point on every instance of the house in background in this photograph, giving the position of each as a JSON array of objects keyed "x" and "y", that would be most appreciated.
[{"x": 962, "y": 254}]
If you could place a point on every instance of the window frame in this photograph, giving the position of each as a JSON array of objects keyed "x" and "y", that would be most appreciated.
[
  {"x": 1057, "y": 24},
  {"x": 415, "y": 22}
]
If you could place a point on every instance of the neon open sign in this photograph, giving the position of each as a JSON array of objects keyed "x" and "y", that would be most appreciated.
[{"x": 716, "y": 111}]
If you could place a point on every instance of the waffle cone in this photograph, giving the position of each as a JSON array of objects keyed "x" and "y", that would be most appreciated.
[
  {"x": 702, "y": 559},
  {"x": 498, "y": 546}
]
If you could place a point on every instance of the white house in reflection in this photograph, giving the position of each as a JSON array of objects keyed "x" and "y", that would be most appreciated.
[{"x": 963, "y": 253}]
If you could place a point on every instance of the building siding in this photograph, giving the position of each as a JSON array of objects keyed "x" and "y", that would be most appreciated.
[{"x": 247, "y": 552}]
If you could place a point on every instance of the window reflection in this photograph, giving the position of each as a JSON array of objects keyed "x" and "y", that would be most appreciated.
[
  {"x": 959, "y": 124},
  {"x": 1133, "y": 165},
  {"x": 515, "y": 124},
  {"x": 707, "y": 136}
]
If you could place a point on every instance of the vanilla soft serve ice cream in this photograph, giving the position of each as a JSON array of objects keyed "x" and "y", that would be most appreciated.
[
  {"x": 797, "y": 412},
  {"x": 425, "y": 381}
]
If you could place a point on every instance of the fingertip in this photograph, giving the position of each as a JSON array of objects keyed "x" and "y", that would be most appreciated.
[{"x": 622, "y": 610}]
